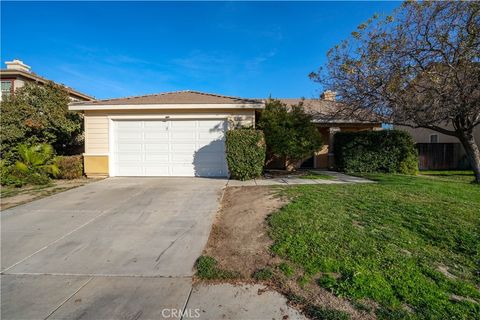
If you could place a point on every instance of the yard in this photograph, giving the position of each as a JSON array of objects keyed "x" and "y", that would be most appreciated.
[{"x": 405, "y": 247}]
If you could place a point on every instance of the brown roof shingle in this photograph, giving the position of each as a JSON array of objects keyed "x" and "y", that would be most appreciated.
[
  {"x": 177, "y": 97},
  {"x": 327, "y": 111}
]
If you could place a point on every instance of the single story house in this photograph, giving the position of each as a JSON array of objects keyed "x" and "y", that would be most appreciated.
[
  {"x": 18, "y": 73},
  {"x": 182, "y": 133}
]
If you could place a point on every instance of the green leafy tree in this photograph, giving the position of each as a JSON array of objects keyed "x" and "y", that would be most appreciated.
[
  {"x": 419, "y": 67},
  {"x": 289, "y": 132},
  {"x": 39, "y": 114}
]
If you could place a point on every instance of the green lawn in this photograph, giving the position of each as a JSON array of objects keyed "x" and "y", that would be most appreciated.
[{"x": 410, "y": 243}]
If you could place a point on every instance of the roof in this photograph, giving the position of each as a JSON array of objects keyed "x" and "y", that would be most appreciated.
[
  {"x": 170, "y": 100},
  {"x": 327, "y": 111},
  {"x": 34, "y": 77},
  {"x": 176, "y": 97}
]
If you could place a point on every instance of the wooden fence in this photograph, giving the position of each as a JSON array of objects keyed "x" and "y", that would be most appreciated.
[{"x": 441, "y": 156}]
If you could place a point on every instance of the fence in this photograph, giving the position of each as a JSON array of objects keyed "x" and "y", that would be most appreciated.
[{"x": 441, "y": 156}]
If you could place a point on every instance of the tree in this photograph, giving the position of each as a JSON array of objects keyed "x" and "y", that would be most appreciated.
[
  {"x": 39, "y": 114},
  {"x": 289, "y": 132},
  {"x": 418, "y": 68}
]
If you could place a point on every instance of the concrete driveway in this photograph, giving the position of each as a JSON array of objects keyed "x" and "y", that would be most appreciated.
[{"x": 121, "y": 248}]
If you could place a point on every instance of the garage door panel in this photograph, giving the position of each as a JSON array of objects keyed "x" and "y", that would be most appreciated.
[
  {"x": 156, "y": 125},
  {"x": 152, "y": 135},
  {"x": 211, "y": 146},
  {"x": 182, "y": 135},
  {"x": 130, "y": 157},
  {"x": 156, "y": 147},
  {"x": 128, "y": 124},
  {"x": 134, "y": 171},
  {"x": 183, "y": 147},
  {"x": 155, "y": 158},
  {"x": 129, "y": 147},
  {"x": 184, "y": 158},
  {"x": 188, "y": 124},
  {"x": 157, "y": 171},
  {"x": 169, "y": 148}
]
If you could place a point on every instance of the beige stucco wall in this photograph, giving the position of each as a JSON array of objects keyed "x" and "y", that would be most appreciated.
[
  {"x": 421, "y": 135},
  {"x": 97, "y": 129}
]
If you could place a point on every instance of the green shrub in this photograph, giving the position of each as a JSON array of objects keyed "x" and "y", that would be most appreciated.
[
  {"x": 70, "y": 167},
  {"x": 263, "y": 274},
  {"x": 290, "y": 133},
  {"x": 245, "y": 153},
  {"x": 388, "y": 151},
  {"x": 9, "y": 176},
  {"x": 207, "y": 269}
]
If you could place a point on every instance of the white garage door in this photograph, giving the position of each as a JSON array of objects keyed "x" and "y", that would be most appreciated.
[{"x": 169, "y": 148}]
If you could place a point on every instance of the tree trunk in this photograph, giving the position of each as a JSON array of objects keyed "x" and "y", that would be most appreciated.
[{"x": 473, "y": 153}]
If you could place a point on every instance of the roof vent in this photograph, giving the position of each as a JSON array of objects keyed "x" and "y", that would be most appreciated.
[
  {"x": 329, "y": 95},
  {"x": 17, "y": 65}
]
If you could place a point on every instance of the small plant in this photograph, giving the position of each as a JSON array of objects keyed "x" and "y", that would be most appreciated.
[
  {"x": 36, "y": 163},
  {"x": 245, "y": 153},
  {"x": 207, "y": 269},
  {"x": 303, "y": 280},
  {"x": 286, "y": 269},
  {"x": 70, "y": 167},
  {"x": 263, "y": 274},
  {"x": 327, "y": 281}
]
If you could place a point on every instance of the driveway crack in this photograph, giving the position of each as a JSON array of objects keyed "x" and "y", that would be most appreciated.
[{"x": 172, "y": 243}]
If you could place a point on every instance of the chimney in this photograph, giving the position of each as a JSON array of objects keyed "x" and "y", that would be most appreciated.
[
  {"x": 17, "y": 65},
  {"x": 329, "y": 95}
]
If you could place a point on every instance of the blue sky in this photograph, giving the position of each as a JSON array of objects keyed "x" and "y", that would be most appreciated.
[{"x": 114, "y": 49}]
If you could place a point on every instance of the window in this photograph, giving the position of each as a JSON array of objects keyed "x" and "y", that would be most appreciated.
[
  {"x": 7, "y": 88},
  {"x": 434, "y": 138}
]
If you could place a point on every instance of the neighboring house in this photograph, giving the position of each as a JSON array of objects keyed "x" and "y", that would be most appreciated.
[
  {"x": 18, "y": 73},
  {"x": 182, "y": 133},
  {"x": 438, "y": 151}
]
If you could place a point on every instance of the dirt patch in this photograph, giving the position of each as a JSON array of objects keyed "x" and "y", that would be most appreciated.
[
  {"x": 239, "y": 239},
  {"x": 239, "y": 242},
  {"x": 30, "y": 193}
]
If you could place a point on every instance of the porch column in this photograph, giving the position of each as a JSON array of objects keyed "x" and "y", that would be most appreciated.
[{"x": 331, "y": 156}]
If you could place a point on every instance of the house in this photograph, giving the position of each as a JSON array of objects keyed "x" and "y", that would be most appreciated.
[
  {"x": 167, "y": 134},
  {"x": 182, "y": 133},
  {"x": 438, "y": 151},
  {"x": 18, "y": 73}
]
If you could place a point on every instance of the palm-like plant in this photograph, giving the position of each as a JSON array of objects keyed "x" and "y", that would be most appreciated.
[{"x": 37, "y": 158}]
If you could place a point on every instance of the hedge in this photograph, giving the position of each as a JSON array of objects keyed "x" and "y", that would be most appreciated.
[
  {"x": 245, "y": 153},
  {"x": 389, "y": 151},
  {"x": 71, "y": 167}
]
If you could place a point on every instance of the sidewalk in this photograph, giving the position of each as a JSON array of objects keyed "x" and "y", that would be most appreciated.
[{"x": 338, "y": 178}]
